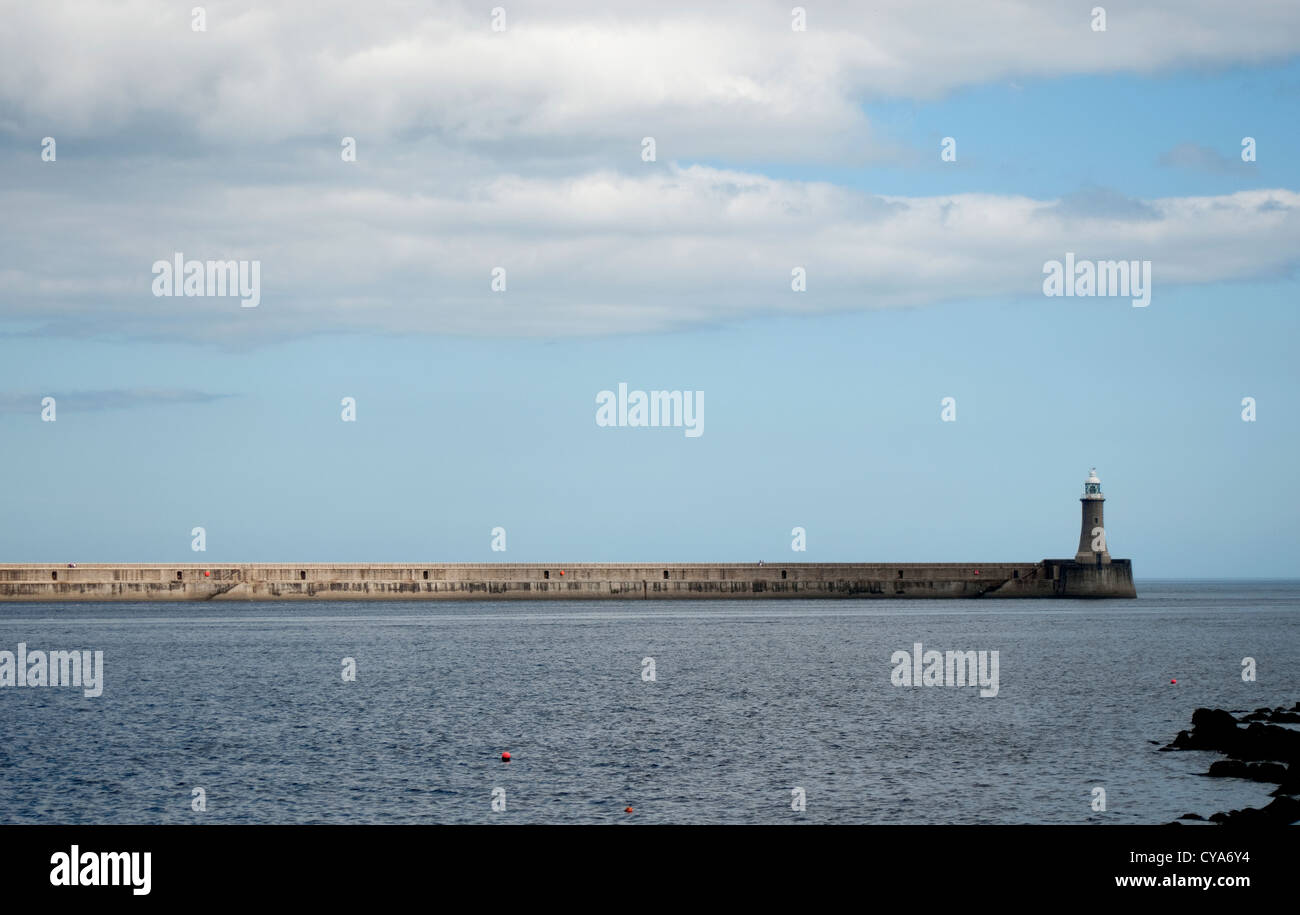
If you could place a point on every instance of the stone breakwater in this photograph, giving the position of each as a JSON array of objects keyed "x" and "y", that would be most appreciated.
[{"x": 558, "y": 581}]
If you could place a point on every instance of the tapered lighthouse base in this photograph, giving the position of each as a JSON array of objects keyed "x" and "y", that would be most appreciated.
[
  {"x": 1111, "y": 578},
  {"x": 1068, "y": 578}
]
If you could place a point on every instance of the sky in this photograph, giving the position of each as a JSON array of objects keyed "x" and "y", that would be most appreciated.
[{"x": 517, "y": 149}]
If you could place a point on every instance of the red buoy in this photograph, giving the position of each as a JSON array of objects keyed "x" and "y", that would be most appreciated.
[
  {"x": 627, "y": 809},
  {"x": 505, "y": 757},
  {"x": 207, "y": 574},
  {"x": 561, "y": 571},
  {"x": 1173, "y": 681}
]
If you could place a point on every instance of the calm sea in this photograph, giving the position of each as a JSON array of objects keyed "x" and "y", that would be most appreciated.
[{"x": 749, "y": 701}]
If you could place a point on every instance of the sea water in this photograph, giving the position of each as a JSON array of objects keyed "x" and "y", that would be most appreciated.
[{"x": 686, "y": 711}]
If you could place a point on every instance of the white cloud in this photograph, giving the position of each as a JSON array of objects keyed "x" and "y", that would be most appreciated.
[
  {"x": 716, "y": 80},
  {"x": 479, "y": 149},
  {"x": 601, "y": 253}
]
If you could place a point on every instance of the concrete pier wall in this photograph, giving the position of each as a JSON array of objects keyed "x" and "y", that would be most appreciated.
[{"x": 542, "y": 581}]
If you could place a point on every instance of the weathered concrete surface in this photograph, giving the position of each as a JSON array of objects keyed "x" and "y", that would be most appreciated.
[{"x": 541, "y": 581}]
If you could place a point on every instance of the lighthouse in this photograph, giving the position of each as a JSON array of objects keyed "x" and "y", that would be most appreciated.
[{"x": 1092, "y": 527}]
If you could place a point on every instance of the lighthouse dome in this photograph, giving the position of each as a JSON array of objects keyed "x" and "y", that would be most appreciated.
[{"x": 1092, "y": 476}]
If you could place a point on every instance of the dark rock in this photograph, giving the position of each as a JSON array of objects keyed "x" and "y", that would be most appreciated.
[
  {"x": 1282, "y": 812},
  {"x": 1213, "y": 724},
  {"x": 1215, "y": 729},
  {"x": 1212, "y": 729},
  {"x": 1290, "y": 781},
  {"x": 1191, "y": 816},
  {"x": 1259, "y": 752},
  {"x": 1279, "y": 715},
  {"x": 1266, "y": 741},
  {"x": 1255, "y": 772}
]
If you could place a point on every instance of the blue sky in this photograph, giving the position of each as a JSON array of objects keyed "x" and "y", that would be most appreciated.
[{"x": 822, "y": 408}]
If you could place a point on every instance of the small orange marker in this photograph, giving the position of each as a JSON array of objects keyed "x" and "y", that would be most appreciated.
[
  {"x": 561, "y": 571},
  {"x": 505, "y": 757},
  {"x": 627, "y": 809}
]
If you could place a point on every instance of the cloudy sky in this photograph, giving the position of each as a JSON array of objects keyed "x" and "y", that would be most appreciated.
[{"x": 524, "y": 148}]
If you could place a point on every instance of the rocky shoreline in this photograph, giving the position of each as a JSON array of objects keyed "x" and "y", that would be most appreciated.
[{"x": 1262, "y": 751}]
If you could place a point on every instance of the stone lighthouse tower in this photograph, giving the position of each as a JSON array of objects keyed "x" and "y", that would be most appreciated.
[{"x": 1092, "y": 529}]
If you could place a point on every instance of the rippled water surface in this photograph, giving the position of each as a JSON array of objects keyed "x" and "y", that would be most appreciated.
[{"x": 750, "y": 700}]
